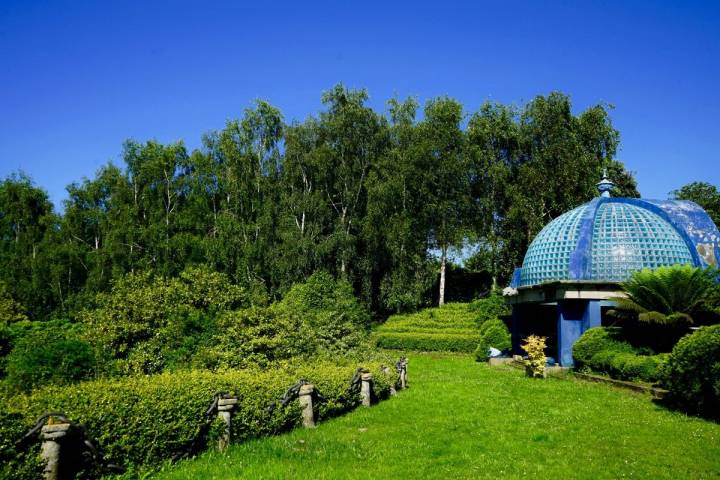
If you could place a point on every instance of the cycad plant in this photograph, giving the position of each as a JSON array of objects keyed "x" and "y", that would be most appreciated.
[{"x": 671, "y": 296}]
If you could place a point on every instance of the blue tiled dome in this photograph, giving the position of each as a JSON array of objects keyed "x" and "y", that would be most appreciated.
[{"x": 609, "y": 238}]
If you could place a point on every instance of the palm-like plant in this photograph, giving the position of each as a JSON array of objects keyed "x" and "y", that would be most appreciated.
[{"x": 669, "y": 295}]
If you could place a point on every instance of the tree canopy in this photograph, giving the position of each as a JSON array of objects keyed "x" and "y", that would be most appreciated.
[{"x": 367, "y": 197}]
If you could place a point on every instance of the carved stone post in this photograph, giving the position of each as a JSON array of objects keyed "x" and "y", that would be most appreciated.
[
  {"x": 51, "y": 436},
  {"x": 393, "y": 390},
  {"x": 225, "y": 408},
  {"x": 403, "y": 374},
  {"x": 306, "y": 404},
  {"x": 366, "y": 389}
]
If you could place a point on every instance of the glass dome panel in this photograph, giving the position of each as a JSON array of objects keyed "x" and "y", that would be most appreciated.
[
  {"x": 627, "y": 238},
  {"x": 548, "y": 256}
]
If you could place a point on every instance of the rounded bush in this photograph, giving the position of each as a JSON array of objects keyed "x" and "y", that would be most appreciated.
[
  {"x": 641, "y": 367},
  {"x": 596, "y": 340},
  {"x": 692, "y": 372},
  {"x": 602, "y": 361},
  {"x": 495, "y": 334},
  {"x": 49, "y": 356}
]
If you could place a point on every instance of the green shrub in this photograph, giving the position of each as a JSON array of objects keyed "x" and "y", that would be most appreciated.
[
  {"x": 328, "y": 310},
  {"x": 255, "y": 336},
  {"x": 626, "y": 365},
  {"x": 596, "y": 340},
  {"x": 145, "y": 420},
  {"x": 138, "y": 325},
  {"x": 491, "y": 307},
  {"x": 692, "y": 372},
  {"x": 53, "y": 354},
  {"x": 495, "y": 334},
  {"x": 602, "y": 350},
  {"x": 428, "y": 342}
]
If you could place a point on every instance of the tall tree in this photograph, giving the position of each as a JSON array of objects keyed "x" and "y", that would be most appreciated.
[
  {"x": 26, "y": 217},
  {"x": 246, "y": 154},
  {"x": 493, "y": 151},
  {"x": 446, "y": 180},
  {"x": 561, "y": 158},
  {"x": 396, "y": 226},
  {"x": 352, "y": 140}
]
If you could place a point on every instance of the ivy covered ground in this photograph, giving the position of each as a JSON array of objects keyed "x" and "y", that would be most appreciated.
[{"x": 461, "y": 419}]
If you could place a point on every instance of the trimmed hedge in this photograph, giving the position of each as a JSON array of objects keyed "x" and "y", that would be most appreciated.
[
  {"x": 143, "y": 421},
  {"x": 602, "y": 350},
  {"x": 692, "y": 372},
  {"x": 428, "y": 342},
  {"x": 495, "y": 334},
  {"x": 596, "y": 340},
  {"x": 452, "y": 327}
]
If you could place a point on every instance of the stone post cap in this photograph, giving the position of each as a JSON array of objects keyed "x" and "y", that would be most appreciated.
[
  {"x": 307, "y": 389},
  {"x": 222, "y": 402},
  {"x": 366, "y": 377},
  {"x": 55, "y": 431},
  {"x": 56, "y": 427}
]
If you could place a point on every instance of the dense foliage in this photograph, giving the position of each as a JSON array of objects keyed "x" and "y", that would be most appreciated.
[
  {"x": 364, "y": 196},
  {"x": 692, "y": 372},
  {"x": 145, "y": 420},
  {"x": 53, "y": 352},
  {"x": 661, "y": 304},
  {"x": 604, "y": 350},
  {"x": 493, "y": 334},
  {"x": 491, "y": 307},
  {"x": 670, "y": 295}
]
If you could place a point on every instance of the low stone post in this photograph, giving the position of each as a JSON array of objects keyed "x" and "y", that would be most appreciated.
[
  {"x": 393, "y": 390},
  {"x": 306, "y": 404},
  {"x": 402, "y": 371},
  {"x": 366, "y": 389},
  {"x": 225, "y": 408},
  {"x": 51, "y": 436}
]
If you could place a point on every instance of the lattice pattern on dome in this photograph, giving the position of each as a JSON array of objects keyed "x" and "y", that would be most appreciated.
[
  {"x": 627, "y": 238},
  {"x": 548, "y": 256}
]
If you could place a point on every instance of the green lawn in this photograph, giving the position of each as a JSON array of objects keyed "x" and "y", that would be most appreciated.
[{"x": 461, "y": 419}]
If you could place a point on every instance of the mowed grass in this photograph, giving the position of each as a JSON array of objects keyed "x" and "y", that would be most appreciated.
[{"x": 461, "y": 419}]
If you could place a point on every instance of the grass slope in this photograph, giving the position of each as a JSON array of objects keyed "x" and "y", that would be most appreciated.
[
  {"x": 461, "y": 419},
  {"x": 450, "y": 328}
]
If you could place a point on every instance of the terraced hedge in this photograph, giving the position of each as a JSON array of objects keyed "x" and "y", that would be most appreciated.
[
  {"x": 139, "y": 422},
  {"x": 453, "y": 328}
]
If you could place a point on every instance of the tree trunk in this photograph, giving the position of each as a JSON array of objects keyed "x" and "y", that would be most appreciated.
[{"x": 443, "y": 261}]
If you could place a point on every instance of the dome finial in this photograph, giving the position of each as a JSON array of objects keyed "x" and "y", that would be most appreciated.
[{"x": 605, "y": 185}]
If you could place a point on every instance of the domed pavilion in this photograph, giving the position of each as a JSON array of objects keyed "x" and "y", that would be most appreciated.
[{"x": 573, "y": 268}]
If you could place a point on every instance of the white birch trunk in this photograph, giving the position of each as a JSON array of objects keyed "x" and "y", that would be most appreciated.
[{"x": 443, "y": 261}]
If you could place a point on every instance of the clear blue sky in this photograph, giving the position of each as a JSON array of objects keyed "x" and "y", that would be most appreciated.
[{"x": 77, "y": 78}]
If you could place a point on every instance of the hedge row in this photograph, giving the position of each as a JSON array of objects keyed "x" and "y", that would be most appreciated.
[
  {"x": 428, "y": 342},
  {"x": 601, "y": 350},
  {"x": 452, "y": 327},
  {"x": 143, "y": 421},
  {"x": 430, "y": 328}
]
